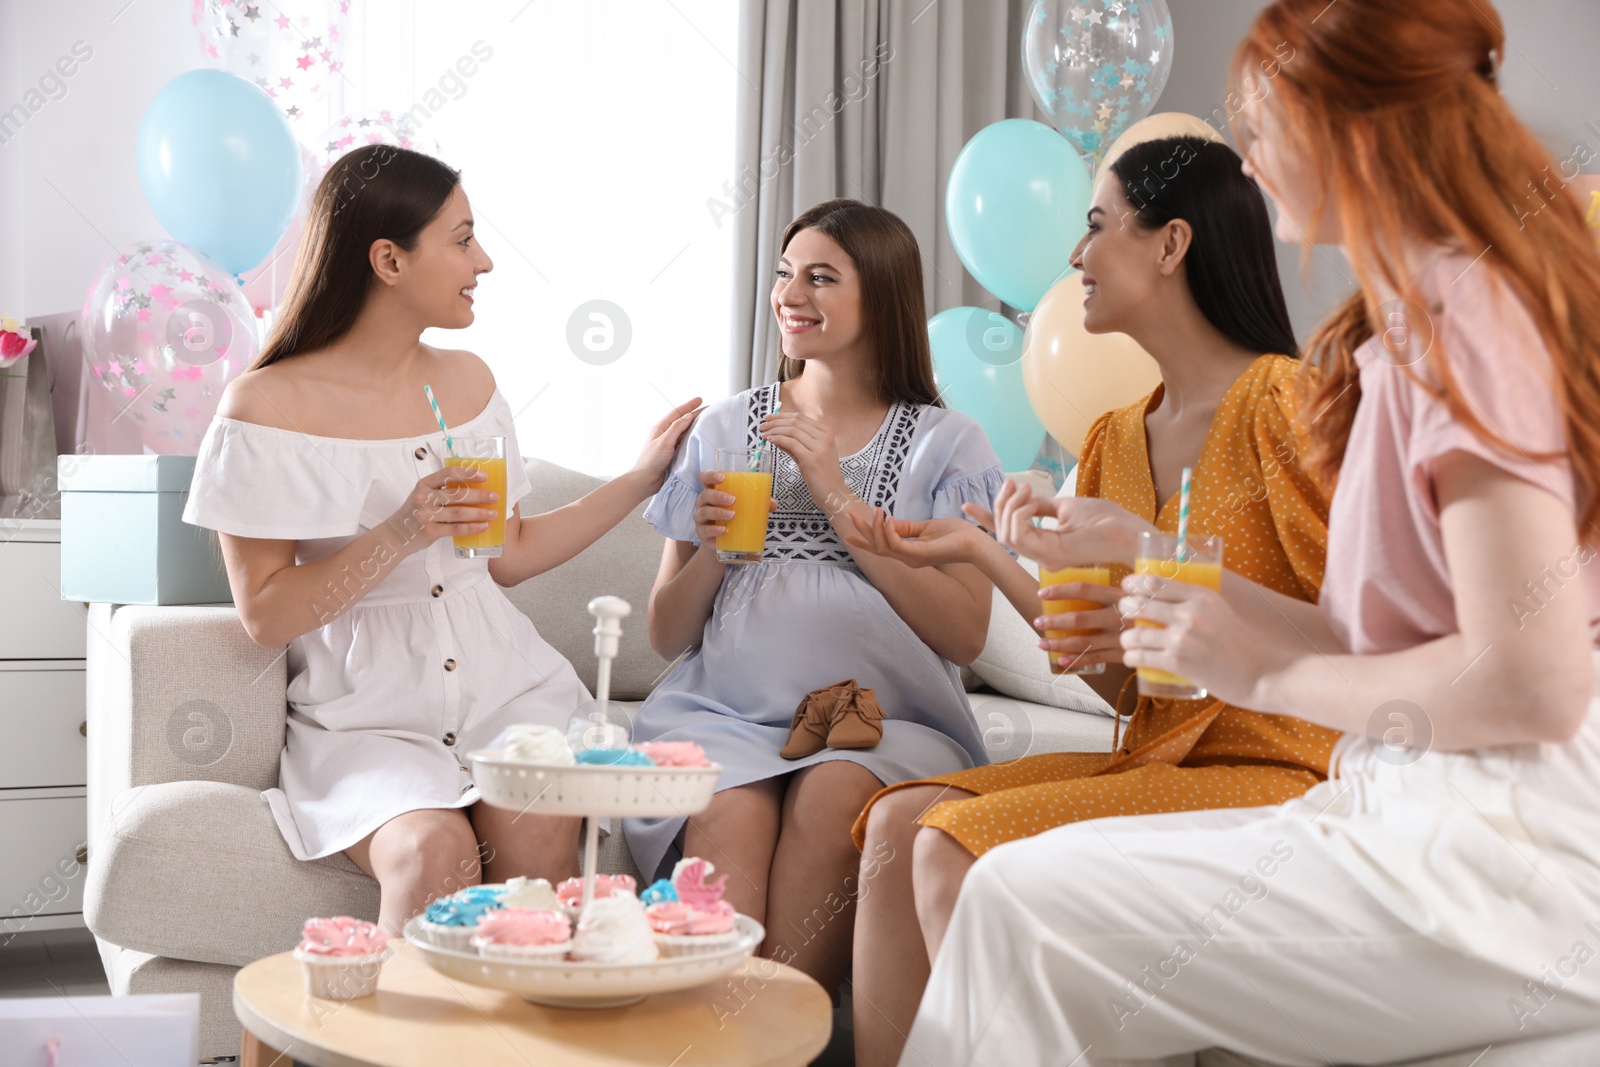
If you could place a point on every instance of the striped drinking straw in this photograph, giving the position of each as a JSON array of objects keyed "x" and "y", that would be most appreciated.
[
  {"x": 1183, "y": 514},
  {"x": 449, "y": 443},
  {"x": 755, "y": 457}
]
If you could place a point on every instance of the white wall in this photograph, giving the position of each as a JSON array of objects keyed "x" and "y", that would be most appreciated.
[{"x": 77, "y": 188}]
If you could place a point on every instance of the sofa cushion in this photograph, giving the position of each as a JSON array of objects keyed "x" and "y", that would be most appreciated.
[
  {"x": 622, "y": 563},
  {"x": 1014, "y": 728},
  {"x": 198, "y": 871},
  {"x": 1012, "y": 663}
]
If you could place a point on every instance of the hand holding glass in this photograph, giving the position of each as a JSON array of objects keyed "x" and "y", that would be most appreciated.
[
  {"x": 1201, "y": 565},
  {"x": 487, "y": 454},
  {"x": 1091, "y": 575},
  {"x": 747, "y": 476}
]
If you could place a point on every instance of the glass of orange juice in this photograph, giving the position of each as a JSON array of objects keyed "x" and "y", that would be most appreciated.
[
  {"x": 1201, "y": 565},
  {"x": 747, "y": 474},
  {"x": 1092, "y": 575},
  {"x": 487, "y": 454}
]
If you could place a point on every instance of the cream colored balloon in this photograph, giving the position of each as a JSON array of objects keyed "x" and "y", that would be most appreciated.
[
  {"x": 1154, "y": 128},
  {"x": 1072, "y": 376}
]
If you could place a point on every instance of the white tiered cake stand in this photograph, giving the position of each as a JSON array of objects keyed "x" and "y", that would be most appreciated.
[{"x": 591, "y": 791}]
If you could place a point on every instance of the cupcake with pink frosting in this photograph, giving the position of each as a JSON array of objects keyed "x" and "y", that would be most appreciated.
[
  {"x": 674, "y": 753},
  {"x": 699, "y": 922},
  {"x": 570, "y": 892},
  {"x": 341, "y": 957},
  {"x": 523, "y": 934}
]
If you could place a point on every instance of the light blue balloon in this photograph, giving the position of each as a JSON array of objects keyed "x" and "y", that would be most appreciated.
[
  {"x": 977, "y": 359},
  {"x": 219, "y": 166},
  {"x": 1015, "y": 206}
]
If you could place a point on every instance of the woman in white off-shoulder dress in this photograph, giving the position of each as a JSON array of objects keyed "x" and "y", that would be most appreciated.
[{"x": 324, "y": 474}]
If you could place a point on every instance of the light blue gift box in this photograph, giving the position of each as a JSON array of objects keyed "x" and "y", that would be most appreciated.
[{"x": 123, "y": 538}]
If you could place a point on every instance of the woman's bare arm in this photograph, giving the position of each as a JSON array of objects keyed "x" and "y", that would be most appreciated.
[
  {"x": 682, "y": 598},
  {"x": 1514, "y": 671}
]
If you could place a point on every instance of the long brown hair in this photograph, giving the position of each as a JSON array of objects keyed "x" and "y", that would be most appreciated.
[
  {"x": 374, "y": 192},
  {"x": 1398, "y": 104},
  {"x": 885, "y": 253}
]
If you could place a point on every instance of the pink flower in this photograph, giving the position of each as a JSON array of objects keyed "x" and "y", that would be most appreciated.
[{"x": 14, "y": 345}]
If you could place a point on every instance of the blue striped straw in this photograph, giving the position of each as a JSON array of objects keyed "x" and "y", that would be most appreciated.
[
  {"x": 1183, "y": 514},
  {"x": 755, "y": 457},
  {"x": 434, "y": 404}
]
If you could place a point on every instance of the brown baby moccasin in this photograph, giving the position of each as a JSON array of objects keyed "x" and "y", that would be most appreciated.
[{"x": 842, "y": 715}]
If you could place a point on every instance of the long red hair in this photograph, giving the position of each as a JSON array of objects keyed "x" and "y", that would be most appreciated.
[{"x": 1398, "y": 106}]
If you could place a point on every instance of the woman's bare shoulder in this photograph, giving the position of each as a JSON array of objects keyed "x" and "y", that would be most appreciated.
[
  {"x": 263, "y": 395},
  {"x": 466, "y": 374},
  {"x": 320, "y": 398}
]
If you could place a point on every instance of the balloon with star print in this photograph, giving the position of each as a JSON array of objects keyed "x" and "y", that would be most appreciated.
[
  {"x": 291, "y": 49},
  {"x": 1095, "y": 67},
  {"x": 164, "y": 330},
  {"x": 391, "y": 126}
]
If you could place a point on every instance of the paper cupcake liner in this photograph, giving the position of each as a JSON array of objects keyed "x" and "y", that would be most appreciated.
[
  {"x": 525, "y": 953},
  {"x": 455, "y": 938},
  {"x": 341, "y": 977},
  {"x": 696, "y": 944}
]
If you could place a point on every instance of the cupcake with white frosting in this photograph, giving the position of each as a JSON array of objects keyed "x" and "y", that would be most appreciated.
[
  {"x": 613, "y": 929},
  {"x": 535, "y": 893},
  {"x": 534, "y": 743}
]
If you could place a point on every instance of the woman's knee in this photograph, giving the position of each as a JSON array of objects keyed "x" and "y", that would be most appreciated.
[
  {"x": 939, "y": 857},
  {"x": 836, "y": 783},
  {"x": 893, "y": 817},
  {"x": 824, "y": 802},
  {"x": 742, "y": 804},
  {"x": 430, "y": 845}
]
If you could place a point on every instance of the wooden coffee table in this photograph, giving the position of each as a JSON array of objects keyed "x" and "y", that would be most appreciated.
[{"x": 762, "y": 1014}]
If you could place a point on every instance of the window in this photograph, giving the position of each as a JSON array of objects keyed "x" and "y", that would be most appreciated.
[{"x": 590, "y": 137}]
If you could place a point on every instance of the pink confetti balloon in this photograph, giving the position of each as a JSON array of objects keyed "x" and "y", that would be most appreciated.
[
  {"x": 292, "y": 49},
  {"x": 360, "y": 128},
  {"x": 164, "y": 330}
]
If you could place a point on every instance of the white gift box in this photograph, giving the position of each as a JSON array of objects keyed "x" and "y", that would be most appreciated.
[{"x": 147, "y": 1030}]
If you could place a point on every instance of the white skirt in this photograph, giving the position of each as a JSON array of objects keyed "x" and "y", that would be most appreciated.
[{"x": 1390, "y": 913}]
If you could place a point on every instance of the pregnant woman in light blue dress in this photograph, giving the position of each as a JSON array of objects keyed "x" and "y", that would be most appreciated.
[{"x": 859, "y": 427}]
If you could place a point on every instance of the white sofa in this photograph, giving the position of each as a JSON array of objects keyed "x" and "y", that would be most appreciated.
[{"x": 189, "y": 878}]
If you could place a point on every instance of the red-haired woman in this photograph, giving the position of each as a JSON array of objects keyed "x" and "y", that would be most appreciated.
[{"x": 1439, "y": 891}]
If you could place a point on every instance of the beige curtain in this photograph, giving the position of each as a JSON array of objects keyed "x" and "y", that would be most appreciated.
[{"x": 871, "y": 99}]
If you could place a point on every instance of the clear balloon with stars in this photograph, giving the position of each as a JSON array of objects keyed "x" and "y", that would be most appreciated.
[
  {"x": 1095, "y": 67},
  {"x": 292, "y": 49},
  {"x": 164, "y": 330}
]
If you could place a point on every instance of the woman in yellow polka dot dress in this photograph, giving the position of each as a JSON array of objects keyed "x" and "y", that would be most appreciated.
[{"x": 1186, "y": 267}]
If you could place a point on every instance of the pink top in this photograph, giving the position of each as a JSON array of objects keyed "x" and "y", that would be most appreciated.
[{"x": 1387, "y": 586}]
